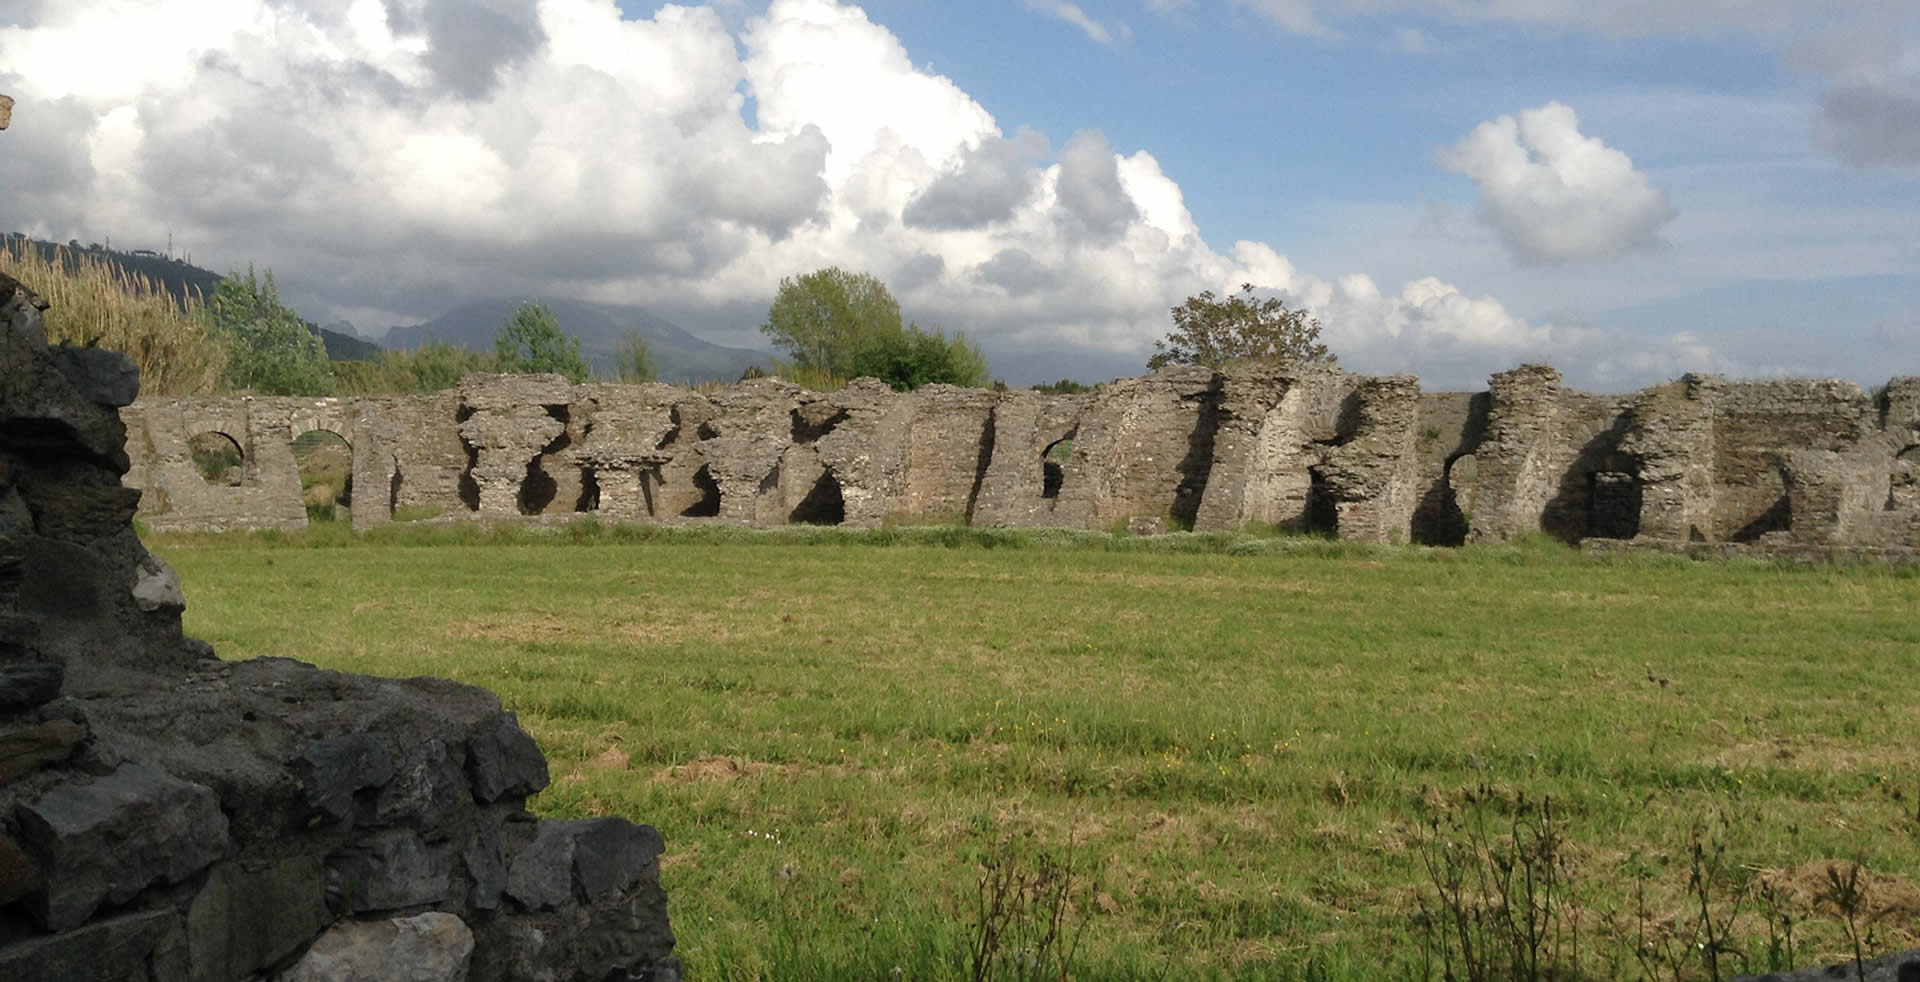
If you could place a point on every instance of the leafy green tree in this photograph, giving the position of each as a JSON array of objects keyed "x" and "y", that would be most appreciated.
[
  {"x": 269, "y": 349},
  {"x": 915, "y": 357},
  {"x": 837, "y": 325},
  {"x": 634, "y": 360},
  {"x": 1211, "y": 331},
  {"x": 823, "y": 319},
  {"x": 532, "y": 342}
]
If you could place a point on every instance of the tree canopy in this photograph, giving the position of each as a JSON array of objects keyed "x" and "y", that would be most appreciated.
[
  {"x": 269, "y": 348},
  {"x": 837, "y": 325},
  {"x": 1211, "y": 331},
  {"x": 531, "y": 341}
]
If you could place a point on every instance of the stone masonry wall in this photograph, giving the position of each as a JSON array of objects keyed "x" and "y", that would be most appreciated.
[
  {"x": 1773, "y": 464},
  {"x": 169, "y": 817}
]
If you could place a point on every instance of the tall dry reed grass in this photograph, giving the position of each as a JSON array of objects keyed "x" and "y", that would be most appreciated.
[{"x": 96, "y": 302}]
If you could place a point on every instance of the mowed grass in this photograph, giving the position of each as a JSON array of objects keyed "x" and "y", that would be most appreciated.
[{"x": 1239, "y": 753}]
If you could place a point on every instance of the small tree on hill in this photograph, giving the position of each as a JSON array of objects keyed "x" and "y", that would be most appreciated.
[
  {"x": 1211, "y": 331},
  {"x": 532, "y": 342},
  {"x": 634, "y": 360},
  {"x": 269, "y": 348}
]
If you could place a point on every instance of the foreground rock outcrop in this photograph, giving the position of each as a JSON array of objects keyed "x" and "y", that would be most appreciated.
[
  {"x": 169, "y": 817},
  {"x": 1815, "y": 467}
]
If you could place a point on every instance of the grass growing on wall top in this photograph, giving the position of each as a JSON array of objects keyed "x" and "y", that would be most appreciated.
[{"x": 1238, "y": 752}]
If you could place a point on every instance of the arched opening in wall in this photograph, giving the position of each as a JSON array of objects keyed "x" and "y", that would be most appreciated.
[
  {"x": 823, "y": 505},
  {"x": 709, "y": 504},
  {"x": 1613, "y": 499},
  {"x": 1323, "y": 512},
  {"x": 1053, "y": 466},
  {"x": 218, "y": 458},
  {"x": 325, "y": 459}
]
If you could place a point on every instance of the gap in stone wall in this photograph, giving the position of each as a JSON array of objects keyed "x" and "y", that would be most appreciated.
[
  {"x": 1323, "y": 512},
  {"x": 1053, "y": 465},
  {"x": 1197, "y": 466},
  {"x": 823, "y": 505},
  {"x": 980, "y": 464},
  {"x": 708, "y": 505},
  {"x": 589, "y": 499},
  {"x": 218, "y": 458},
  {"x": 325, "y": 462}
]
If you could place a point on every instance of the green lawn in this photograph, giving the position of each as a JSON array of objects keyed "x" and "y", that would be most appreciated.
[{"x": 1239, "y": 754}]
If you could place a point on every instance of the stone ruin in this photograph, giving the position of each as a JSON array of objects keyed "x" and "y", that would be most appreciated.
[
  {"x": 1808, "y": 466},
  {"x": 169, "y": 817}
]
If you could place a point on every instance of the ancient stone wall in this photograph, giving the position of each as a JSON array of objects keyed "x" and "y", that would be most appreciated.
[
  {"x": 169, "y": 817},
  {"x": 1700, "y": 460}
]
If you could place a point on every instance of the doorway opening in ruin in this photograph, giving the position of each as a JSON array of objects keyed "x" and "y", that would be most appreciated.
[
  {"x": 1613, "y": 505},
  {"x": 1053, "y": 466},
  {"x": 1443, "y": 517},
  {"x": 218, "y": 458},
  {"x": 709, "y": 504},
  {"x": 325, "y": 460},
  {"x": 823, "y": 505},
  {"x": 1323, "y": 512}
]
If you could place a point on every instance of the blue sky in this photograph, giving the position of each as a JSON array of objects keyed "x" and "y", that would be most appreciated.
[{"x": 1628, "y": 190}]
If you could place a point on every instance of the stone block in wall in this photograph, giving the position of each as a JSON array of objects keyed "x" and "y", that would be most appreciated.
[
  {"x": 503, "y": 760},
  {"x": 429, "y": 947},
  {"x": 390, "y": 870},
  {"x": 104, "y": 841},
  {"x": 251, "y": 914},
  {"x": 332, "y": 771},
  {"x": 146, "y": 946},
  {"x": 427, "y": 782},
  {"x": 26, "y": 681},
  {"x": 591, "y": 859}
]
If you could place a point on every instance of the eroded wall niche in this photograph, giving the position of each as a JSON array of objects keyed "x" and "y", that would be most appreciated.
[{"x": 1800, "y": 463}]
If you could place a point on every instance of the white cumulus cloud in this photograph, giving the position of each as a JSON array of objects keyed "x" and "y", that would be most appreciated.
[{"x": 1554, "y": 194}]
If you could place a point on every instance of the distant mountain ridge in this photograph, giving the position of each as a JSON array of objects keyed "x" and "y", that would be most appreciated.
[{"x": 680, "y": 356}]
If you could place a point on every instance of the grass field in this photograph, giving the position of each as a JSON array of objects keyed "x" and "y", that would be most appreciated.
[{"x": 1248, "y": 752}]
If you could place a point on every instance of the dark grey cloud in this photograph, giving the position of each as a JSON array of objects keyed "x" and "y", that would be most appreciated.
[
  {"x": 1090, "y": 190},
  {"x": 470, "y": 41},
  {"x": 1871, "y": 125},
  {"x": 991, "y": 181},
  {"x": 1017, "y": 272},
  {"x": 923, "y": 268}
]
